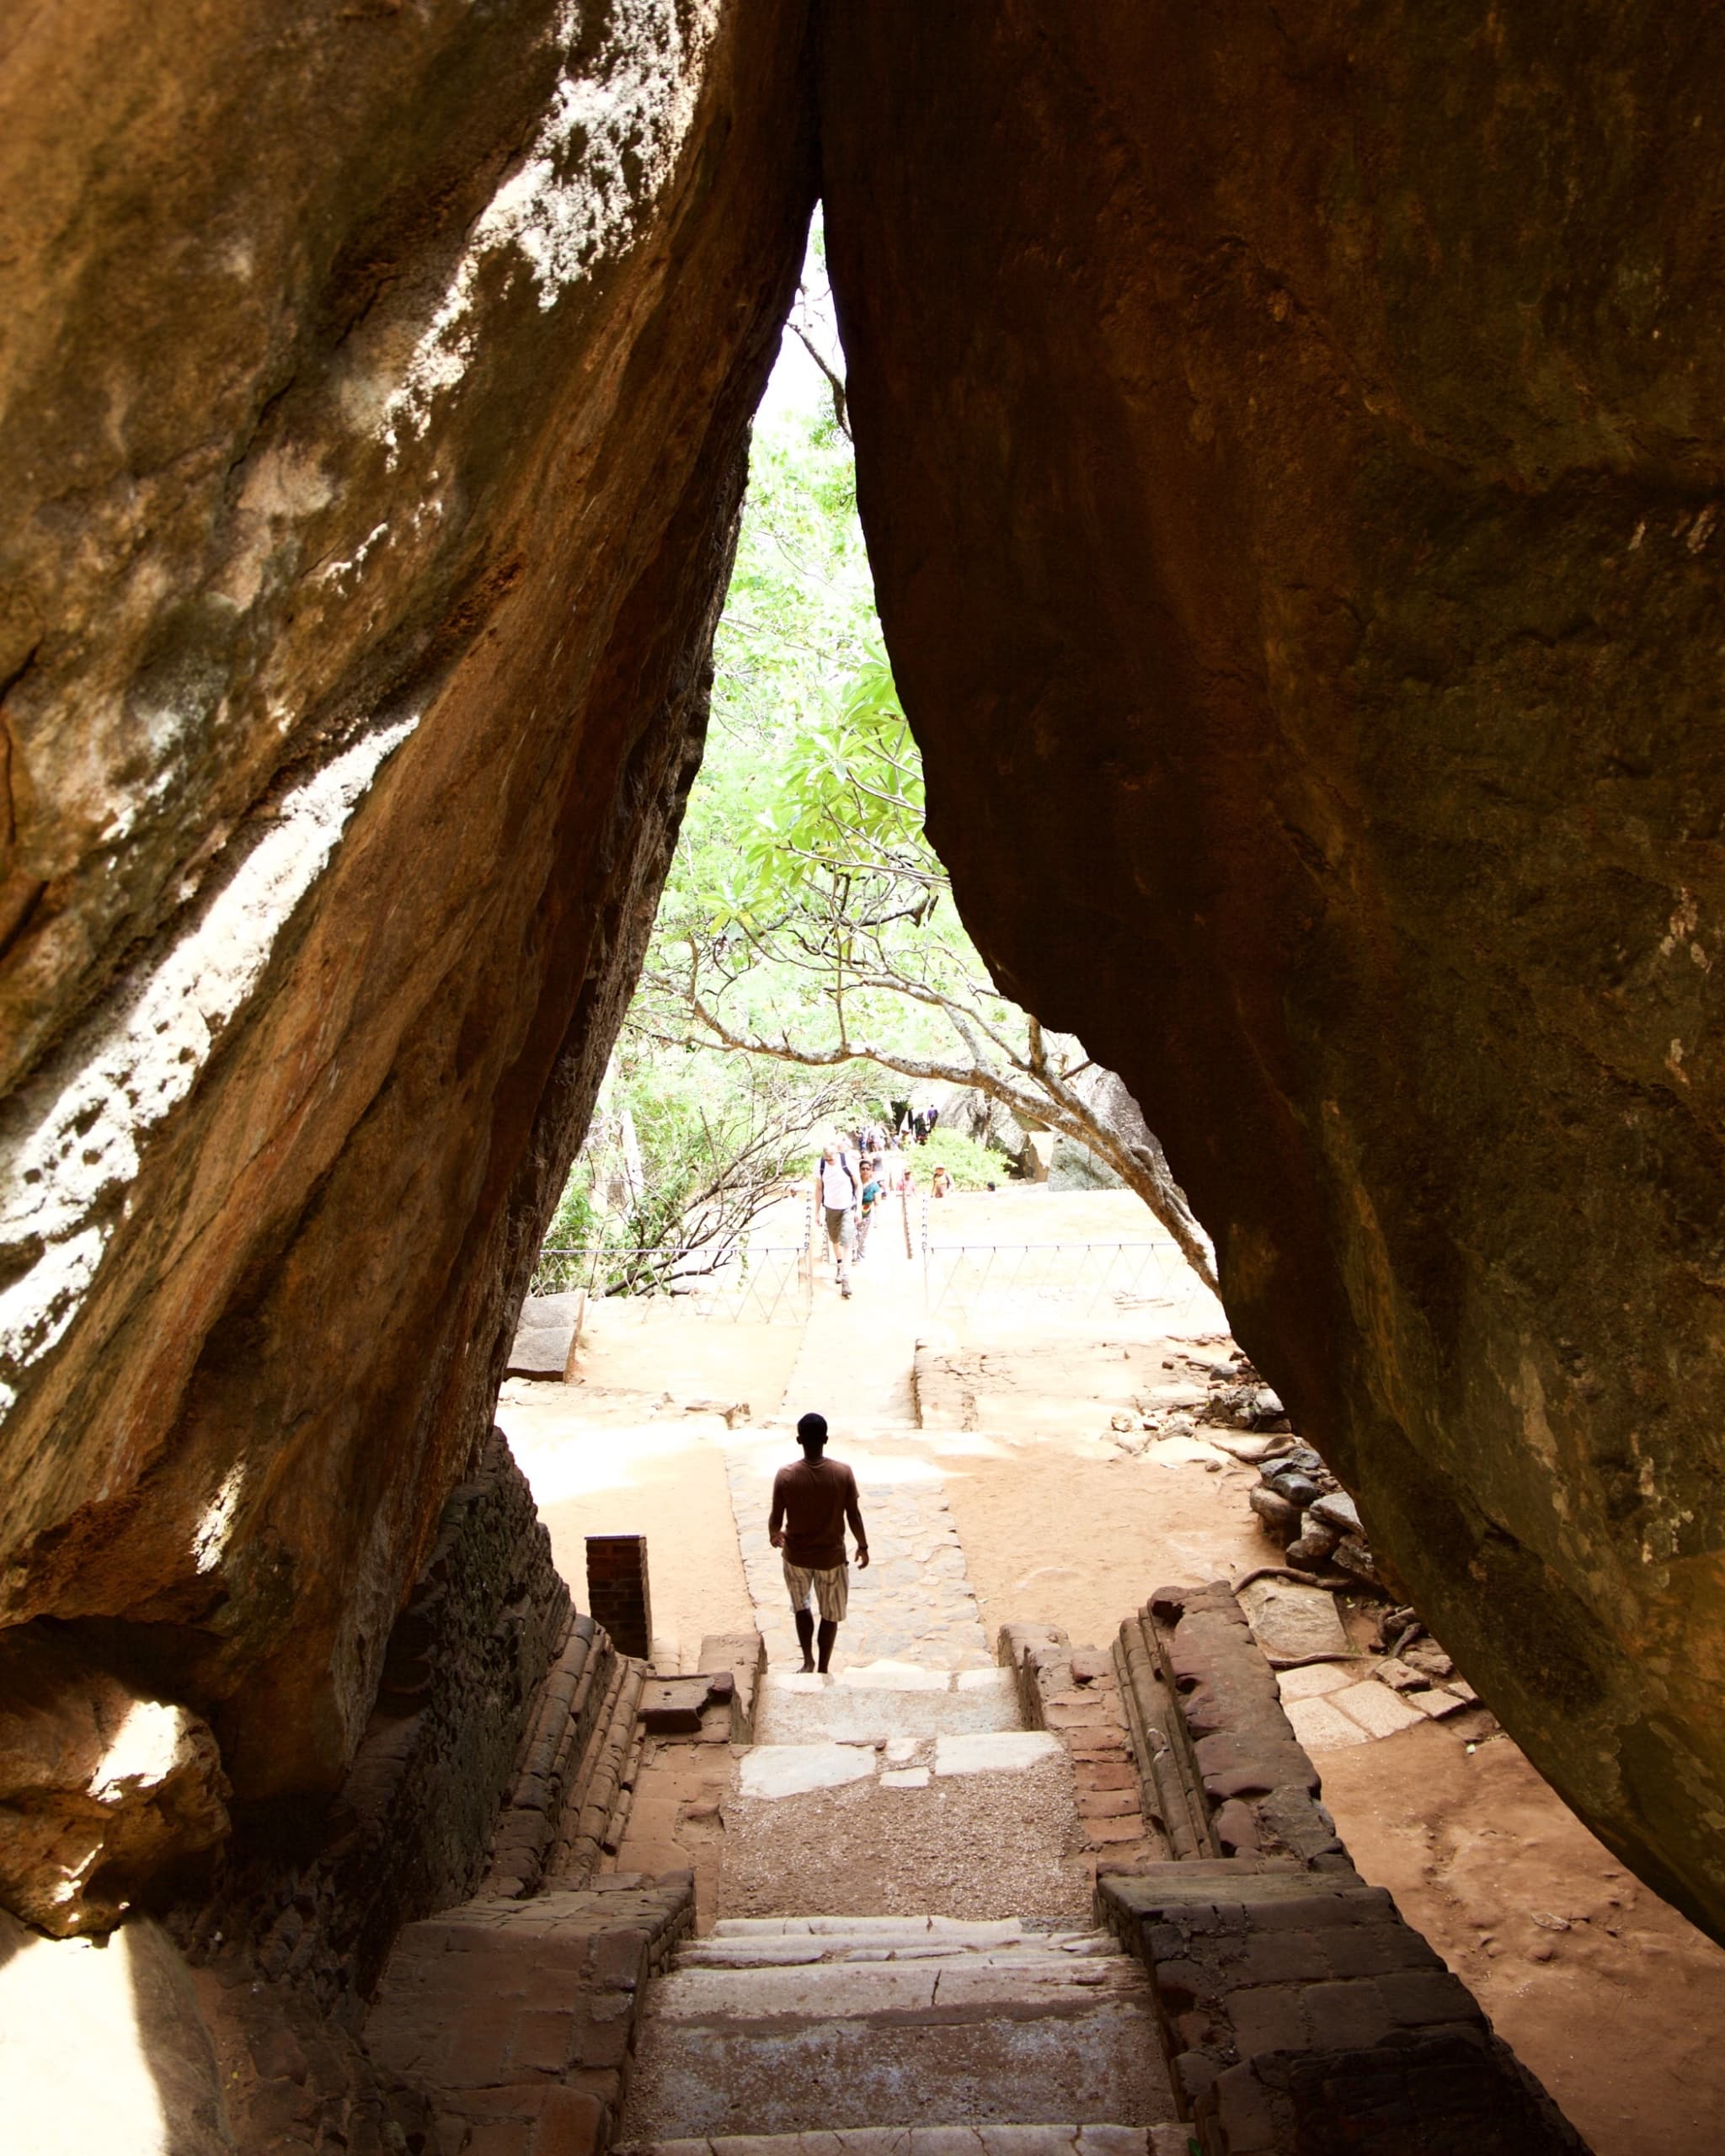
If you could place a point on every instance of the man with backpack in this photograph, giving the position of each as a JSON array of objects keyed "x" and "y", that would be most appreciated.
[{"x": 840, "y": 1192}]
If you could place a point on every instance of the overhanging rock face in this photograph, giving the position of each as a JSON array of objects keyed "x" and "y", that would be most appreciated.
[
  {"x": 1290, "y": 449},
  {"x": 375, "y": 392}
]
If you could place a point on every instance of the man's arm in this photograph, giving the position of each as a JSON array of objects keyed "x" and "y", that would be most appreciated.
[
  {"x": 774, "y": 1518},
  {"x": 853, "y": 1516}
]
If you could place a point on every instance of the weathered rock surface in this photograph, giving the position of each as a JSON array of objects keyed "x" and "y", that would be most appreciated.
[
  {"x": 99, "y": 1789},
  {"x": 372, "y": 406},
  {"x": 1289, "y": 444}
]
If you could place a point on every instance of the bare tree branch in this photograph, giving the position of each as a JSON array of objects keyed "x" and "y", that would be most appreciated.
[
  {"x": 1036, "y": 1093},
  {"x": 834, "y": 382}
]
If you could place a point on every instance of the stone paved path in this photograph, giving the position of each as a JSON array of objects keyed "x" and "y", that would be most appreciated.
[
  {"x": 855, "y": 1363},
  {"x": 914, "y": 1603}
]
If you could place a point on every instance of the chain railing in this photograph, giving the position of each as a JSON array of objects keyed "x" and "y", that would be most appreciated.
[
  {"x": 757, "y": 1284},
  {"x": 1077, "y": 1277}
]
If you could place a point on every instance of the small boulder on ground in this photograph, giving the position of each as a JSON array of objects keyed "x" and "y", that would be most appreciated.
[
  {"x": 1279, "y": 1517},
  {"x": 1426, "y": 1656},
  {"x": 1338, "y": 1510},
  {"x": 1310, "y": 1548}
]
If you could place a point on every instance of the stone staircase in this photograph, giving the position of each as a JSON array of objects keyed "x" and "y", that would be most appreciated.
[
  {"x": 881, "y": 2026},
  {"x": 797, "y": 2025}
]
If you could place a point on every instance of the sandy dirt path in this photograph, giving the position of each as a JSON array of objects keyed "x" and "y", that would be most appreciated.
[
  {"x": 664, "y": 1479},
  {"x": 1612, "y": 1998}
]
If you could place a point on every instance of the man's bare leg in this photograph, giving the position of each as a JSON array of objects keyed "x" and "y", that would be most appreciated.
[
  {"x": 828, "y": 1633},
  {"x": 805, "y": 1638}
]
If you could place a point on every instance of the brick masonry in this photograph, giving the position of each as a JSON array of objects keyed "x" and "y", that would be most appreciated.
[
  {"x": 673, "y": 1819},
  {"x": 617, "y": 1590},
  {"x": 1300, "y": 2014},
  {"x": 518, "y": 2018},
  {"x": 297, "y": 1923},
  {"x": 1226, "y": 1773},
  {"x": 1075, "y": 1692}
]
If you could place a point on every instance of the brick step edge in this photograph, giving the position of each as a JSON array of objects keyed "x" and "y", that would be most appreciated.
[
  {"x": 597, "y": 1808},
  {"x": 552, "y": 1759},
  {"x": 1091, "y": 2140},
  {"x": 1172, "y": 1790},
  {"x": 1076, "y": 1693}
]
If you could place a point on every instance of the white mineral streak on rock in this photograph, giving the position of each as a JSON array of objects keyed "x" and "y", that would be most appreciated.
[
  {"x": 209, "y": 1539},
  {"x": 77, "y": 1138},
  {"x": 607, "y": 144}
]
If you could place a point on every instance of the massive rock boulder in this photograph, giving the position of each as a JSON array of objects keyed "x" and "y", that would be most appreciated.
[
  {"x": 373, "y": 400},
  {"x": 1291, "y": 442}
]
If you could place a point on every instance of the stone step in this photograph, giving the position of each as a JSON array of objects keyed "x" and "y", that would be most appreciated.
[
  {"x": 1168, "y": 2140},
  {"x": 965, "y": 1985},
  {"x": 874, "y": 1704},
  {"x": 979, "y": 2033},
  {"x": 785, "y": 1942},
  {"x": 937, "y": 1927},
  {"x": 805, "y": 1953}
]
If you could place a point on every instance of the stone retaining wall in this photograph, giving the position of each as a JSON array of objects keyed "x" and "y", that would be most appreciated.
[
  {"x": 518, "y": 2018},
  {"x": 1299, "y": 2013},
  {"x": 1230, "y": 1778}
]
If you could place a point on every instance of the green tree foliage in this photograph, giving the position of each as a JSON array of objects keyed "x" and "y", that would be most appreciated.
[{"x": 806, "y": 923}]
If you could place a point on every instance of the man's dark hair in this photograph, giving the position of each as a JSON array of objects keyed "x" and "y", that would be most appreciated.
[{"x": 811, "y": 1432}]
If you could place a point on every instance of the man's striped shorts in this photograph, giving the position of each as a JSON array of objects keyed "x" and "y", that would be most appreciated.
[{"x": 832, "y": 1590}]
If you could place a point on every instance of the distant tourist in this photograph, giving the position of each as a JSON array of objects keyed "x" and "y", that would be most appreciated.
[
  {"x": 811, "y": 1503},
  {"x": 840, "y": 1192},
  {"x": 873, "y": 1191},
  {"x": 942, "y": 1182}
]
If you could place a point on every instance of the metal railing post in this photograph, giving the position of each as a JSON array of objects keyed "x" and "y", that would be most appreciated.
[{"x": 925, "y": 1255}]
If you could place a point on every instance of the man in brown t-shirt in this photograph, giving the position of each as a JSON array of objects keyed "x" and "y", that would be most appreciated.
[{"x": 811, "y": 1503}]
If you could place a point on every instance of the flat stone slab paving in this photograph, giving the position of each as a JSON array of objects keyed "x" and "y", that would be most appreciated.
[
  {"x": 890, "y": 1700},
  {"x": 914, "y": 1603},
  {"x": 1289, "y": 1619},
  {"x": 769, "y": 1772},
  {"x": 1002, "y": 1752}
]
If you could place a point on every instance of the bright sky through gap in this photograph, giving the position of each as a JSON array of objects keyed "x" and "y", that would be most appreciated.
[{"x": 797, "y": 386}]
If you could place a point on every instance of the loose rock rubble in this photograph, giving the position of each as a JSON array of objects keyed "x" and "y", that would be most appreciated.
[{"x": 1300, "y": 1504}]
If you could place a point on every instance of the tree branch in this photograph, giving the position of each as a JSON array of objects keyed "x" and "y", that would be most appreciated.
[{"x": 841, "y": 403}]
